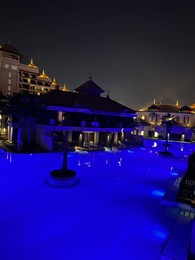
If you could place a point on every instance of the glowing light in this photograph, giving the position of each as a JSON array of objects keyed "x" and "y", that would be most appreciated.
[
  {"x": 155, "y": 134},
  {"x": 159, "y": 234},
  {"x": 120, "y": 162},
  {"x": 174, "y": 173},
  {"x": 9, "y": 157},
  {"x": 87, "y": 164},
  {"x": 155, "y": 144},
  {"x": 158, "y": 193}
]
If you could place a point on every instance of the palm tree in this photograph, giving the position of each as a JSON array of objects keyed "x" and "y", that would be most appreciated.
[{"x": 24, "y": 109}]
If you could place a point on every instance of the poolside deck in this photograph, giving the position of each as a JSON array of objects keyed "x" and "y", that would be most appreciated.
[
  {"x": 178, "y": 242},
  {"x": 181, "y": 241}
]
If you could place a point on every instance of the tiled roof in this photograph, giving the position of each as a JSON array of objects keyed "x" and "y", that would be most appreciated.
[
  {"x": 89, "y": 87},
  {"x": 185, "y": 109},
  {"x": 82, "y": 100},
  {"x": 154, "y": 107},
  {"x": 163, "y": 108},
  {"x": 169, "y": 108}
]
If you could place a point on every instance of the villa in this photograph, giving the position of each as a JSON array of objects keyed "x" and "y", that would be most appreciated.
[{"x": 181, "y": 118}]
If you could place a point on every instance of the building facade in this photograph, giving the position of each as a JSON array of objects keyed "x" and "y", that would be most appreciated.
[
  {"x": 17, "y": 77},
  {"x": 152, "y": 120},
  {"x": 89, "y": 120}
]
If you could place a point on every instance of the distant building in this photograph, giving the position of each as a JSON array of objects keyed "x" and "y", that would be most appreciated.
[
  {"x": 150, "y": 121},
  {"x": 17, "y": 77}
]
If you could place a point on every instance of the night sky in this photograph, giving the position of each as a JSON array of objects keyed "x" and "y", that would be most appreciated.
[{"x": 137, "y": 50}]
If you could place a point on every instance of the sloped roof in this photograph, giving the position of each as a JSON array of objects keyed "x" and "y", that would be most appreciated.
[
  {"x": 154, "y": 107},
  {"x": 163, "y": 108},
  {"x": 83, "y": 100},
  {"x": 89, "y": 87},
  {"x": 169, "y": 108},
  {"x": 10, "y": 49},
  {"x": 185, "y": 109}
]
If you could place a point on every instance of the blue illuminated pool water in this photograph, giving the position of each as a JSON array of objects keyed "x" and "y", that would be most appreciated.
[{"x": 115, "y": 211}]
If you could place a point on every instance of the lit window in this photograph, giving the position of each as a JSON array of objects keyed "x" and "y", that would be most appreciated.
[
  {"x": 9, "y": 81},
  {"x": 6, "y": 66},
  {"x": 9, "y": 74},
  {"x": 14, "y": 67},
  {"x": 9, "y": 88}
]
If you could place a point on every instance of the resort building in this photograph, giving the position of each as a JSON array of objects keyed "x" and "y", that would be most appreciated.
[
  {"x": 91, "y": 121},
  {"x": 89, "y": 118},
  {"x": 151, "y": 122},
  {"x": 17, "y": 77}
]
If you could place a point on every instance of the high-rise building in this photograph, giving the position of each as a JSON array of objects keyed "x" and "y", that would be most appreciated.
[{"x": 18, "y": 77}]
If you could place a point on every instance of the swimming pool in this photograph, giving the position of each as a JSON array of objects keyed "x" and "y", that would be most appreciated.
[{"x": 114, "y": 212}]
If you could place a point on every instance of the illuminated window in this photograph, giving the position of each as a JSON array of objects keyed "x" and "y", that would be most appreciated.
[
  {"x": 9, "y": 74},
  {"x": 14, "y": 67},
  {"x": 6, "y": 66},
  {"x": 60, "y": 116},
  {"x": 9, "y": 81},
  {"x": 9, "y": 88},
  {"x": 143, "y": 117}
]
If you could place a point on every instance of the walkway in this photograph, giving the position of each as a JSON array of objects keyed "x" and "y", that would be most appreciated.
[{"x": 180, "y": 244}]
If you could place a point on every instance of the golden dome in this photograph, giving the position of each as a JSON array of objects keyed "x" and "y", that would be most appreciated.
[
  {"x": 31, "y": 64},
  {"x": 43, "y": 75},
  {"x": 65, "y": 88},
  {"x": 54, "y": 83}
]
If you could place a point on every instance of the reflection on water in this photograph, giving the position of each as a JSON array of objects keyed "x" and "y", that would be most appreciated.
[{"x": 115, "y": 212}]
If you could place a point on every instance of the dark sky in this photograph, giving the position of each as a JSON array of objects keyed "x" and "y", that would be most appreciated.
[{"x": 137, "y": 50}]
